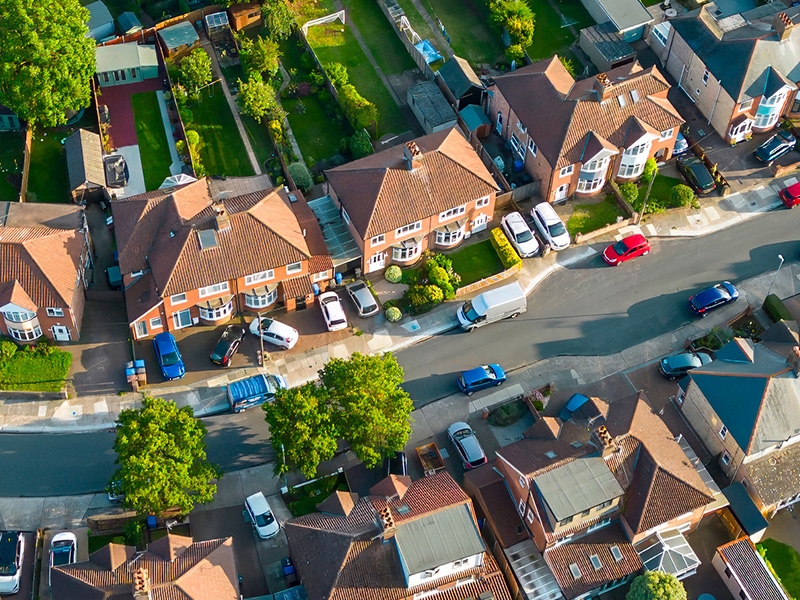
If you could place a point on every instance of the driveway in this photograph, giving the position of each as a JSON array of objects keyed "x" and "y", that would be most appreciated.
[
  {"x": 26, "y": 577},
  {"x": 82, "y": 555}
]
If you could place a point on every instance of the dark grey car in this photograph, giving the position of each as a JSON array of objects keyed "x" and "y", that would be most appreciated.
[{"x": 679, "y": 365}]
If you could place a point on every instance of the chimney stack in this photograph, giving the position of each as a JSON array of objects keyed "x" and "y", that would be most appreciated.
[
  {"x": 223, "y": 220},
  {"x": 782, "y": 25},
  {"x": 386, "y": 523},
  {"x": 141, "y": 585},
  {"x": 607, "y": 444},
  {"x": 794, "y": 360},
  {"x": 603, "y": 86},
  {"x": 412, "y": 155}
]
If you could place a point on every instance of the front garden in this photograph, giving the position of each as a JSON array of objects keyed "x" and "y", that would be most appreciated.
[
  {"x": 591, "y": 217},
  {"x": 38, "y": 368},
  {"x": 303, "y": 499}
]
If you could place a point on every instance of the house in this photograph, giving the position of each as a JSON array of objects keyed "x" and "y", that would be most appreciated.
[
  {"x": 172, "y": 567},
  {"x": 125, "y": 63},
  {"x": 431, "y": 107},
  {"x": 243, "y": 14},
  {"x": 87, "y": 177},
  {"x": 187, "y": 253},
  {"x": 595, "y": 128},
  {"x": 8, "y": 119},
  {"x": 101, "y": 23},
  {"x": 44, "y": 251},
  {"x": 428, "y": 193},
  {"x": 745, "y": 407},
  {"x": 404, "y": 540},
  {"x": 628, "y": 18},
  {"x": 745, "y": 573},
  {"x": 129, "y": 23},
  {"x": 740, "y": 71},
  {"x": 459, "y": 83},
  {"x": 605, "y": 47},
  {"x": 179, "y": 39}
]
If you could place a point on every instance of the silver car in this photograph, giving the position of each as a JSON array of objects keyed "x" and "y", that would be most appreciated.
[
  {"x": 363, "y": 299},
  {"x": 520, "y": 235},
  {"x": 467, "y": 445}
]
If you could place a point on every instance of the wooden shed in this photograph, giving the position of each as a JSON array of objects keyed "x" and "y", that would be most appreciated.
[{"x": 242, "y": 15}]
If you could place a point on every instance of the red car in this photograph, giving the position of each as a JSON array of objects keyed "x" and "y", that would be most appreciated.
[
  {"x": 626, "y": 249},
  {"x": 790, "y": 195}
]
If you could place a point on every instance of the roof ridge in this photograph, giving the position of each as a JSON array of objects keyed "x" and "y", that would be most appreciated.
[
  {"x": 489, "y": 181},
  {"x": 385, "y": 173},
  {"x": 307, "y": 251},
  {"x": 62, "y": 233}
]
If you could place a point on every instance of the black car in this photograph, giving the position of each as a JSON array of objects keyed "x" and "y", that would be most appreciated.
[
  {"x": 775, "y": 147},
  {"x": 396, "y": 465},
  {"x": 696, "y": 174},
  {"x": 227, "y": 345}
]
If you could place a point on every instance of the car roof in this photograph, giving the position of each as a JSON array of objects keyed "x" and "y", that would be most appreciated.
[
  {"x": 64, "y": 535},
  {"x": 458, "y": 426},
  {"x": 794, "y": 189},
  {"x": 362, "y": 292},
  {"x": 165, "y": 341},
  {"x": 232, "y": 332},
  {"x": 516, "y": 221},
  {"x": 709, "y": 294},
  {"x": 356, "y": 286},
  {"x": 279, "y": 328},
  {"x": 8, "y": 547},
  {"x": 473, "y": 374},
  {"x": 547, "y": 211},
  {"x": 634, "y": 240},
  {"x": 683, "y": 359},
  {"x": 335, "y": 309},
  {"x": 258, "y": 503},
  {"x": 472, "y": 447}
]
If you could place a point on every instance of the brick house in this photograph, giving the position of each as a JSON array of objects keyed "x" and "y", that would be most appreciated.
[
  {"x": 430, "y": 193},
  {"x": 740, "y": 71},
  {"x": 44, "y": 252},
  {"x": 203, "y": 251},
  {"x": 578, "y": 134}
]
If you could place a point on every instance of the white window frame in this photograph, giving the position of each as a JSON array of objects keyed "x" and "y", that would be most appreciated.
[
  {"x": 746, "y": 105},
  {"x": 322, "y": 276},
  {"x": 155, "y": 323},
  {"x": 215, "y": 314},
  {"x": 522, "y": 482},
  {"x": 214, "y": 289},
  {"x": 726, "y": 458},
  {"x": 255, "y": 278},
  {"x": 294, "y": 268},
  {"x": 532, "y": 147},
  {"x": 26, "y": 335},
  {"x": 706, "y": 74},
  {"x": 177, "y": 298},
  {"x": 449, "y": 238},
  {"x": 521, "y": 507},
  {"x": 55, "y": 312},
  {"x": 662, "y": 36},
  {"x": 345, "y": 216},
  {"x": 529, "y": 516},
  {"x": 407, "y": 229},
  {"x": 17, "y": 316},
  {"x": 453, "y": 212},
  {"x": 723, "y": 432},
  {"x": 665, "y": 135},
  {"x": 406, "y": 254},
  {"x": 519, "y": 149},
  {"x": 177, "y": 323},
  {"x": 136, "y": 274},
  {"x": 565, "y": 171},
  {"x": 481, "y": 202},
  {"x": 140, "y": 329},
  {"x": 261, "y": 301},
  {"x": 378, "y": 240}
]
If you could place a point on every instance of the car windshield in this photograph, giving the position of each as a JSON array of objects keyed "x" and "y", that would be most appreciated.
[
  {"x": 369, "y": 308},
  {"x": 170, "y": 358},
  {"x": 524, "y": 236},
  {"x": 620, "y": 248},
  {"x": 722, "y": 290},
  {"x": 489, "y": 372},
  {"x": 461, "y": 434},
  {"x": 265, "y": 519},
  {"x": 62, "y": 553},
  {"x": 8, "y": 556},
  {"x": 469, "y": 312},
  {"x": 557, "y": 229}
]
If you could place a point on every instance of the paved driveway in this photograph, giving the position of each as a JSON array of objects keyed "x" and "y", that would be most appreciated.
[
  {"x": 82, "y": 555},
  {"x": 26, "y": 577}
]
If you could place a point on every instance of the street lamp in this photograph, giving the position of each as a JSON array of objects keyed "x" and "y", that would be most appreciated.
[
  {"x": 780, "y": 264},
  {"x": 260, "y": 339}
]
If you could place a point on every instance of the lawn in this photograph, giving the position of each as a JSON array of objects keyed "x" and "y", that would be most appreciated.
[
  {"x": 467, "y": 24},
  {"x": 785, "y": 561},
  {"x": 48, "y": 177},
  {"x": 11, "y": 159},
  {"x": 35, "y": 371},
  {"x": 550, "y": 36},
  {"x": 589, "y": 217},
  {"x": 417, "y": 21},
  {"x": 317, "y": 135},
  {"x": 101, "y": 541},
  {"x": 259, "y": 139},
  {"x": 221, "y": 147},
  {"x": 508, "y": 414},
  {"x": 662, "y": 188},
  {"x": 387, "y": 49},
  {"x": 476, "y": 262},
  {"x": 153, "y": 144},
  {"x": 303, "y": 500}
]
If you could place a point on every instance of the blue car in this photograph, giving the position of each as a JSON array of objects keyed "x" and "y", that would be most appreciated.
[
  {"x": 681, "y": 145},
  {"x": 168, "y": 356},
  {"x": 713, "y": 297},
  {"x": 481, "y": 378}
]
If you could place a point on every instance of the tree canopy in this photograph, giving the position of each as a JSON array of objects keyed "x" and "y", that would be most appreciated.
[
  {"x": 261, "y": 55},
  {"x": 257, "y": 99},
  {"x": 161, "y": 453},
  {"x": 196, "y": 69},
  {"x": 655, "y": 585},
  {"x": 46, "y": 59},
  {"x": 279, "y": 18}
]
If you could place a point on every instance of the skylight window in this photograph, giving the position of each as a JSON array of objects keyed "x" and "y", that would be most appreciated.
[
  {"x": 208, "y": 238},
  {"x": 635, "y": 96},
  {"x": 621, "y": 99},
  {"x": 576, "y": 572},
  {"x": 596, "y": 562},
  {"x": 616, "y": 553},
  {"x": 550, "y": 454}
]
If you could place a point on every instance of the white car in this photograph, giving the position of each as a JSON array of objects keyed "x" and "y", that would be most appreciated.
[
  {"x": 275, "y": 332},
  {"x": 520, "y": 235},
  {"x": 362, "y": 298},
  {"x": 63, "y": 551},
  {"x": 332, "y": 311},
  {"x": 550, "y": 226},
  {"x": 265, "y": 523},
  {"x": 12, "y": 549}
]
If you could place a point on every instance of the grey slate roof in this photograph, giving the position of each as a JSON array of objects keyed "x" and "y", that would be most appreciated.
[
  {"x": 432, "y": 104},
  {"x": 129, "y": 22},
  {"x": 99, "y": 15},
  {"x": 577, "y": 486},
  {"x": 626, "y": 14},
  {"x": 458, "y": 76},
  {"x": 752, "y": 574},
  {"x": 84, "y": 159},
  {"x": 608, "y": 41},
  {"x": 748, "y": 61},
  {"x": 744, "y": 509},
  {"x": 776, "y": 476},
  {"x": 438, "y": 539},
  {"x": 178, "y": 35}
]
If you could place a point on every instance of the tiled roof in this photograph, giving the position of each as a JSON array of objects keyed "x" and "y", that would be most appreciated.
[
  {"x": 177, "y": 570},
  {"x": 393, "y": 485},
  {"x": 753, "y": 576},
  {"x": 338, "y": 503},
  {"x": 380, "y": 193},
  {"x": 574, "y": 111},
  {"x": 489, "y": 491},
  {"x": 297, "y": 286}
]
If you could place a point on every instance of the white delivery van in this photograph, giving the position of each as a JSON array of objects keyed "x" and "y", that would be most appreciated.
[{"x": 504, "y": 302}]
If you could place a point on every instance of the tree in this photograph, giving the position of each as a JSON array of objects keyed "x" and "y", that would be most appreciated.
[
  {"x": 371, "y": 411},
  {"x": 196, "y": 69},
  {"x": 300, "y": 175},
  {"x": 650, "y": 170},
  {"x": 257, "y": 99},
  {"x": 161, "y": 453},
  {"x": 569, "y": 65},
  {"x": 629, "y": 191},
  {"x": 301, "y": 429},
  {"x": 360, "y": 144},
  {"x": 655, "y": 585},
  {"x": 261, "y": 55},
  {"x": 46, "y": 59},
  {"x": 279, "y": 18}
]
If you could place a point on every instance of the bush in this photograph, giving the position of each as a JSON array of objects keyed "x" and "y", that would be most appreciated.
[
  {"x": 393, "y": 314},
  {"x": 7, "y": 349},
  {"x": 301, "y": 176},
  {"x": 776, "y": 309},
  {"x": 681, "y": 195},
  {"x": 440, "y": 278},
  {"x": 361, "y": 113},
  {"x": 515, "y": 52},
  {"x": 360, "y": 144},
  {"x": 508, "y": 256},
  {"x": 650, "y": 170},
  {"x": 629, "y": 191},
  {"x": 393, "y": 274},
  {"x": 338, "y": 74}
]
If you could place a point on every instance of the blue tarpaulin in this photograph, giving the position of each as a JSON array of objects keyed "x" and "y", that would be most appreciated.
[{"x": 428, "y": 51}]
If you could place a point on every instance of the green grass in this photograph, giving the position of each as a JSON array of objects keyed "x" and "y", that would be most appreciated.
[
  {"x": 153, "y": 144},
  {"x": 549, "y": 37},
  {"x": 317, "y": 135},
  {"x": 11, "y": 159},
  {"x": 101, "y": 541},
  {"x": 32, "y": 371},
  {"x": 662, "y": 188},
  {"x": 508, "y": 414},
  {"x": 221, "y": 147},
  {"x": 304, "y": 500},
  {"x": 259, "y": 138},
  {"x": 589, "y": 217},
  {"x": 374, "y": 27},
  {"x": 785, "y": 561},
  {"x": 467, "y": 24},
  {"x": 48, "y": 179},
  {"x": 417, "y": 21},
  {"x": 476, "y": 262}
]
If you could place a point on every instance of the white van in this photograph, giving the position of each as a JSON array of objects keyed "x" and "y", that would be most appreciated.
[
  {"x": 506, "y": 302},
  {"x": 260, "y": 513},
  {"x": 550, "y": 226}
]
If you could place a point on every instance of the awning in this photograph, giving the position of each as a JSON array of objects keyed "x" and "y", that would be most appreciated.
[
  {"x": 215, "y": 302},
  {"x": 454, "y": 226},
  {"x": 262, "y": 290},
  {"x": 298, "y": 287}
]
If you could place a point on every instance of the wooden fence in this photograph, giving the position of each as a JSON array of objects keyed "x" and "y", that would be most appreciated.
[
  {"x": 26, "y": 164},
  {"x": 486, "y": 282},
  {"x": 415, "y": 54}
]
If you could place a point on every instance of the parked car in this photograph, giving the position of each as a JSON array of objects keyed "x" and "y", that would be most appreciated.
[
  {"x": 550, "y": 226},
  {"x": 520, "y": 235},
  {"x": 467, "y": 445},
  {"x": 12, "y": 549},
  {"x": 332, "y": 311},
  {"x": 254, "y": 391},
  {"x": 363, "y": 299},
  {"x": 713, "y": 297},
  {"x": 63, "y": 551},
  {"x": 696, "y": 174},
  {"x": 790, "y": 195},
  {"x": 227, "y": 345},
  {"x": 779, "y": 144},
  {"x": 626, "y": 249},
  {"x": 506, "y": 302},
  {"x": 396, "y": 465},
  {"x": 678, "y": 365},
  {"x": 681, "y": 145},
  {"x": 168, "y": 356},
  {"x": 260, "y": 513},
  {"x": 481, "y": 378},
  {"x": 275, "y": 332}
]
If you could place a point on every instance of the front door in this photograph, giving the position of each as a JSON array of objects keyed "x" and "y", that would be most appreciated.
[
  {"x": 377, "y": 262},
  {"x": 479, "y": 224},
  {"x": 61, "y": 333},
  {"x": 300, "y": 303},
  {"x": 561, "y": 192},
  {"x": 499, "y": 123}
]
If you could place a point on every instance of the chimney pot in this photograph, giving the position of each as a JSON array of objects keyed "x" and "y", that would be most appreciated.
[
  {"x": 141, "y": 584},
  {"x": 412, "y": 155},
  {"x": 603, "y": 86},
  {"x": 782, "y": 25}
]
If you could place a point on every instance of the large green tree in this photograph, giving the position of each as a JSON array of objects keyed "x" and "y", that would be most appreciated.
[
  {"x": 161, "y": 453},
  {"x": 196, "y": 70},
  {"x": 261, "y": 55},
  {"x": 655, "y": 585},
  {"x": 46, "y": 60},
  {"x": 279, "y": 18}
]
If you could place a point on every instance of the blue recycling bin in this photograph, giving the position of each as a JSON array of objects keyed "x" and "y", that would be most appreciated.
[
  {"x": 315, "y": 286},
  {"x": 338, "y": 279},
  {"x": 151, "y": 522}
]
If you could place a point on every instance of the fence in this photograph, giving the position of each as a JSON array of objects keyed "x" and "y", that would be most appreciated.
[
  {"x": 415, "y": 54},
  {"x": 26, "y": 164},
  {"x": 486, "y": 282},
  {"x": 518, "y": 194}
]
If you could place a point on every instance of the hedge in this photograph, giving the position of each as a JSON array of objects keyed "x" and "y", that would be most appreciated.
[
  {"x": 508, "y": 256},
  {"x": 776, "y": 309}
]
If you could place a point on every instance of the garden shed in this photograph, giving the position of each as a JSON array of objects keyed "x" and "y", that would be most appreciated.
[
  {"x": 604, "y": 45},
  {"x": 125, "y": 63},
  {"x": 179, "y": 38},
  {"x": 87, "y": 177},
  {"x": 459, "y": 83},
  {"x": 101, "y": 23},
  {"x": 430, "y": 107},
  {"x": 243, "y": 14},
  {"x": 129, "y": 23}
]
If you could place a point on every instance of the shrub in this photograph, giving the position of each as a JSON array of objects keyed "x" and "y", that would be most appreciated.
[
  {"x": 180, "y": 146},
  {"x": 569, "y": 65},
  {"x": 359, "y": 111},
  {"x": 344, "y": 146},
  {"x": 443, "y": 261},
  {"x": 681, "y": 195},
  {"x": 275, "y": 129},
  {"x": 508, "y": 256},
  {"x": 301, "y": 176},
  {"x": 393, "y": 274},
  {"x": 7, "y": 349},
  {"x": 393, "y": 314},
  {"x": 187, "y": 116},
  {"x": 360, "y": 144},
  {"x": 650, "y": 170},
  {"x": 192, "y": 137},
  {"x": 776, "y": 309},
  {"x": 423, "y": 297},
  {"x": 629, "y": 191},
  {"x": 515, "y": 52},
  {"x": 338, "y": 74},
  {"x": 440, "y": 278}
]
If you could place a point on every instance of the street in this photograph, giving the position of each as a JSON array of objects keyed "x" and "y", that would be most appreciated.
[{"x": 588, "y": 309}]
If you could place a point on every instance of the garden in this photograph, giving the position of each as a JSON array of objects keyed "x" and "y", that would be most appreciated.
[
  {"x": 784, "y": 562},
  {"x": 591, "y": 217},
  {"x": 48, "y": 179},
  {"x": 37, "y": 368},
  {"x": 11, "y": 158},
  {"x": 151, "y": 135},
  {"x": 303, "y": 499}
]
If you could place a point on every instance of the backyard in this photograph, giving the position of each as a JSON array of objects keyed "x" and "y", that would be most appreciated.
[
  {"x": 785, "y": 562},
  {"x": 11, "y": 159},
  {"x": 153, "y": 144},
  {"x": 48, "y": 180},
  {"x": 467, "y": 24},
  {"x": 550, "y": 35},
  {"x": 389, "y": 52},
  {"x": 303, "y": 500}
]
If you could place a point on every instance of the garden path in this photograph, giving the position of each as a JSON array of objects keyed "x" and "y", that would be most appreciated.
[
  {"x": 287, "y": 128},
  {"x": 443, "y": 43}
]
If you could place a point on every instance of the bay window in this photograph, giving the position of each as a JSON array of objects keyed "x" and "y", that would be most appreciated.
[
  {"x": 18, "y": 316},
  {"x": 451, "y": 234},
  {"x": 261, "y": 297},
  {"x": 214, "y": 311},
  {"x": 406, "y": 251},
  {"x": 633, "y": 160},
  {"x": 25, "y": 335}
]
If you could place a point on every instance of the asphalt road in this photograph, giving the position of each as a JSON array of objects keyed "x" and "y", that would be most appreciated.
[{"x": 587, "y": 309}]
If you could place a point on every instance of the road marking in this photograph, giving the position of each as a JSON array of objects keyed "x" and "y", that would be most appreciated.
[
  {"x": 711, "y": 213},
  {"x": 790, "y": 181},
  {"x": 42, "y": 410}
]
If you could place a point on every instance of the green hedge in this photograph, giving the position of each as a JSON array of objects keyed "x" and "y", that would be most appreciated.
[
  {"x": 508, "y": 256},
  {"x": 776, "y": 309}
]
